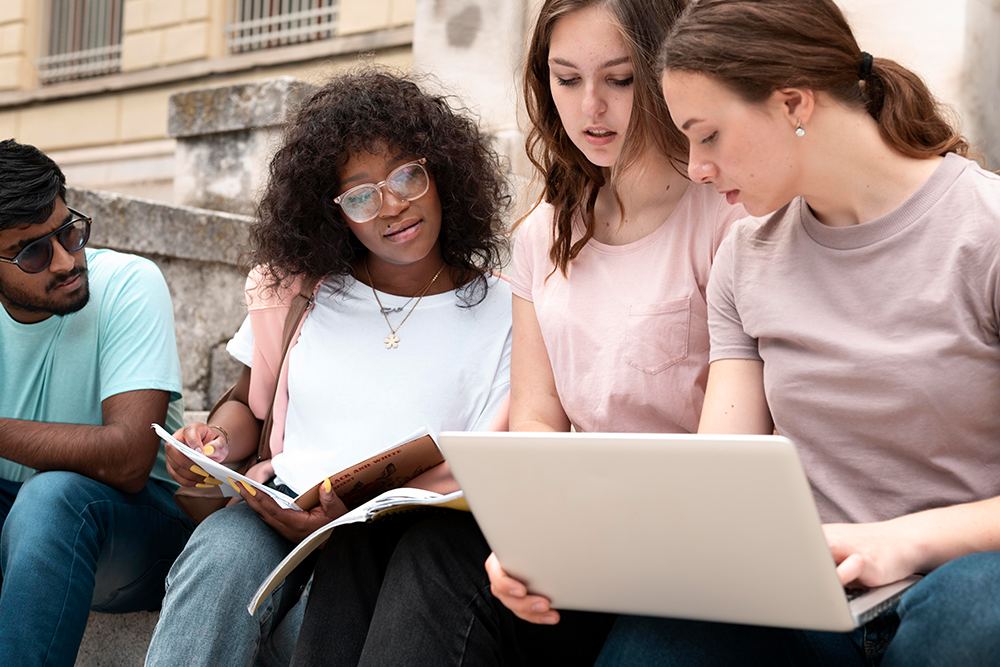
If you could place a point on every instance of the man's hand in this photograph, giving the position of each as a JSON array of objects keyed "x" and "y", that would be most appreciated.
[
  {"x": 290, "y": 524},
  {"x": 119, "y": 453},
  {"x": 514, "y": 595},
  {"x": 199, "y": 437},
  {"x": 871, "y": 554}
]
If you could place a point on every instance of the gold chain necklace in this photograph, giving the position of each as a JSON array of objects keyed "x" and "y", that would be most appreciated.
[{"x": 392, "y": 340}]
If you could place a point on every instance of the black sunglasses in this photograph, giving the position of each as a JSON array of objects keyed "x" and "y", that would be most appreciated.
[{"x": 37, "y": 255}]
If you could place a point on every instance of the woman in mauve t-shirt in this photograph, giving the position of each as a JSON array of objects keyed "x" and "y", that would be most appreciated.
[{"x": 858, "y": 316}]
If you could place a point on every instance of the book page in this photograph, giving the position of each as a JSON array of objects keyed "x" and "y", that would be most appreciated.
[
  {"x": 388, "y": 469},
  {"x": 222, "y": 473},
  {"x": 390, "y": 501}
]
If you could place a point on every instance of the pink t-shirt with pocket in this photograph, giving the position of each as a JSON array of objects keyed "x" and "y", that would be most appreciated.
[{"x": 627, "y": 332}]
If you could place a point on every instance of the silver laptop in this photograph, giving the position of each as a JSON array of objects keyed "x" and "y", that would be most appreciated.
[{"x": 716, "y": 528}]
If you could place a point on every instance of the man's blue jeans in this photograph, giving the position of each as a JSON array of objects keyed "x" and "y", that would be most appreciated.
[
  {"x": 71, "y": 544},
  {"x": 951, "y": 617}
]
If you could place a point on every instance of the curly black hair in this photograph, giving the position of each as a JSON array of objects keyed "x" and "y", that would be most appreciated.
[{"x": 300, "y": 231}]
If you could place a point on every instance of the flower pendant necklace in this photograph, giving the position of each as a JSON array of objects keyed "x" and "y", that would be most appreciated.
[{"x": 392, "y": 340}]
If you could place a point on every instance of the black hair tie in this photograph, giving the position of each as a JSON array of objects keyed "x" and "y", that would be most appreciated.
[{"x": 865, "y": 70}]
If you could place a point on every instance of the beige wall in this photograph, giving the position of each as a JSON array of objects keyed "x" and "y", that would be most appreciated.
[
  {"x": 162, "y": 33},
  {"x": 157, "y": 35},
  {"x": 141, "y": 114},
  {"x": 124, "y": 146},
  {"x": 110, "y": 132},
  {"x": 927, "y": 36},
  {"x": 17, "y": 43},
  {"x": 366, "y": 15},
  {"x": 954, "y": 46}
]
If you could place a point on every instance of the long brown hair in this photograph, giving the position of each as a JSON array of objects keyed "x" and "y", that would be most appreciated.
[
  {"x": 571, "y": 181},
  {"x": 755, "y": 47}
]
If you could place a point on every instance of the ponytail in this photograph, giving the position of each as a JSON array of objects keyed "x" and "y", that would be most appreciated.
[
  {"x": 755, "y": 47},
  {"x": 909, "y": 118}
]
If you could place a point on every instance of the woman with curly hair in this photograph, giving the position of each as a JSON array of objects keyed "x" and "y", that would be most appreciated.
[
  {"x": 393, "y": 201},
  {"x": 609, "y": 274}
]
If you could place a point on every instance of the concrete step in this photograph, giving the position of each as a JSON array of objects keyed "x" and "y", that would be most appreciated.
[{"x": 116, "y": 640}]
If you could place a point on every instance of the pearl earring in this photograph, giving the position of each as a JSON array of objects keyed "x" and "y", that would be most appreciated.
[{"x": 800, "y": 131}]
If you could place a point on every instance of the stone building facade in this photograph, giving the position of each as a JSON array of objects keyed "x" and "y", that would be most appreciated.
[
  {"x": 104, "y": 116},
  {"x": 88, "y": 81}
]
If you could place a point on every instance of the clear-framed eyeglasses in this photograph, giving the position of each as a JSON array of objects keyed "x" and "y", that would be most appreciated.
[
  {"x": 363, "y": 202},
  {"x": 37, "y": 255}
]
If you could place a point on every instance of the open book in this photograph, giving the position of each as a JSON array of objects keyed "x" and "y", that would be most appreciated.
[
  {"x": 391, "y": 501},
  {"x": 388, "y": 469}
]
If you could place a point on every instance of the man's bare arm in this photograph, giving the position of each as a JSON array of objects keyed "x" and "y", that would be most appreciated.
[{"x": 119, "y": 453}]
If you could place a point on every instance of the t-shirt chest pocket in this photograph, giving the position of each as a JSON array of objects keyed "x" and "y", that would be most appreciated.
[{"x": 657, "y": 334}]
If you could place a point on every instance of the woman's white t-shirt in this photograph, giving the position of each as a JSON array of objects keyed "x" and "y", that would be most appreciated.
[{"x": 349, "y": 397}]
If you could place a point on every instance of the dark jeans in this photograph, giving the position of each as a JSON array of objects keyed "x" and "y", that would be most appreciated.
[
  {"x": 951, "y": 617},
  {"x": 411, "y": 590}
]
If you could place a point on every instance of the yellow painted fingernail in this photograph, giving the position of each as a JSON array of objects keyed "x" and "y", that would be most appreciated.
[
  {"x": 206, "y": 486},
  {"x": 327, "y": 486},
  {"x": 250, "y": 489},
  {"x": 233, "y": 484},
  {"x": 198, "y": 470},
  {"x": 212, "y": 481},
  {"x": 208, "y": 450}
]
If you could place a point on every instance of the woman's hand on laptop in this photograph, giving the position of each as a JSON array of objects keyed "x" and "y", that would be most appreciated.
[
  {"x": 871, "y": 554},
  {"x": 514, "y": 595}
]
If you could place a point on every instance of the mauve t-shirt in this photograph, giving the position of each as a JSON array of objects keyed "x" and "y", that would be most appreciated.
[
  {"x": 879, "y": 341},
  {"x": 626, "y": 332}
]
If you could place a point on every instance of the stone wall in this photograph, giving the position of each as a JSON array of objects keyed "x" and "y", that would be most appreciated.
[
  {"x": 953, "y": 46},
  {"x": 474, "y": 50},
  {"x": 980, "y": 79},
  {"x": 199, "y": 253},
  {"x": 225, "y": 138}
]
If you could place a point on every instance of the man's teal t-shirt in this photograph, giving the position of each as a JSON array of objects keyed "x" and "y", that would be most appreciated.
[{"x": 61, "y": 369}]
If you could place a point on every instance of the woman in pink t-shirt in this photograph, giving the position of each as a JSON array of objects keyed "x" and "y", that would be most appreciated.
[
  {"x": 610, "y": 271},
  {"x": 858, "y": 315}
]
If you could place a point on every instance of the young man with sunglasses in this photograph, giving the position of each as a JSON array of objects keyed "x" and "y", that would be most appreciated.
[{"x": 87, "y": 361}]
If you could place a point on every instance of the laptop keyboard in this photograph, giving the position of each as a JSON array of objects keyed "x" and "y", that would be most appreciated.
[{"x": 855, "y": 592}]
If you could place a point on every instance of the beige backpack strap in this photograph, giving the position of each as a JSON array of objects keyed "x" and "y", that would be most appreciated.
[
  {"x": 199, "y": 503},
  {"x": 296, "y": 312}
]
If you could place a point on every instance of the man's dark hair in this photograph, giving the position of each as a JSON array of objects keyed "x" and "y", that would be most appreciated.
[{"x": 29, "y": 184}]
